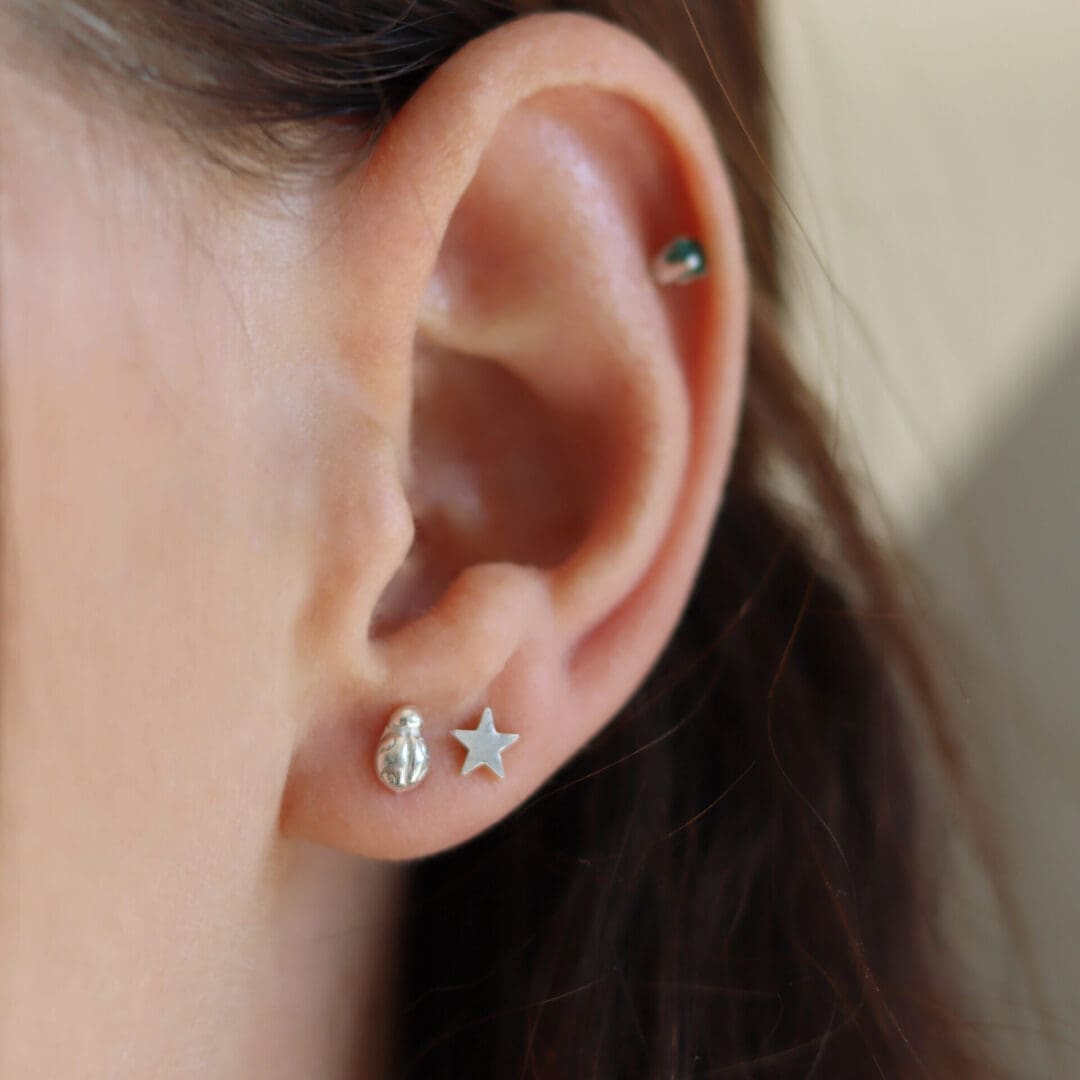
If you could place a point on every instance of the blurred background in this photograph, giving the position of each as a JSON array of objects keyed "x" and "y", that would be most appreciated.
[{"x": 930, "y": 154}]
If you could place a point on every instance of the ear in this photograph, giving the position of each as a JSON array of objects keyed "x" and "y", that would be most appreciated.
[{"x": 563, "y": 424}]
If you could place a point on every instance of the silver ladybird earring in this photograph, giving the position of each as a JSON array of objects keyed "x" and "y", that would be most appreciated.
[
  {"x": 682, "y": 261},
  {"x": 402, "y": 758}
]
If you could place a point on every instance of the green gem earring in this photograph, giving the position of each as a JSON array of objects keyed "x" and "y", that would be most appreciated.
[{"x": 682, "y": 261}]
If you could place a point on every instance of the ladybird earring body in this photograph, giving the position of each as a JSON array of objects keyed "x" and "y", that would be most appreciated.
[{"x": 402, "y": 758}]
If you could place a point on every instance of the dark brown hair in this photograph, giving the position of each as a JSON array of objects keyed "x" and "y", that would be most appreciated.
[{"x": 736, "y": 878}]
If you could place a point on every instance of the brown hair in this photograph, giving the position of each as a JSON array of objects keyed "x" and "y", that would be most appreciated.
[{"x": 734, "y": 879}]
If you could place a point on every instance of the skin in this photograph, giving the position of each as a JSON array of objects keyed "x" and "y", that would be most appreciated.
[{"x": 276, "y": 462}]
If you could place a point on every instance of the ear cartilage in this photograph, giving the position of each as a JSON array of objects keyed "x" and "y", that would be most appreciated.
[
  {"x": 402, "y": 757},
  {"x": 682, "y": 261}
]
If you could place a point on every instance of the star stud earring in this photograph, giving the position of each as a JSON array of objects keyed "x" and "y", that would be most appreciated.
[{"x": 485, "y": 745}]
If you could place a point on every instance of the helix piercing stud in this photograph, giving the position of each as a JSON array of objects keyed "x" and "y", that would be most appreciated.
[{"x": 682, "y": 261}]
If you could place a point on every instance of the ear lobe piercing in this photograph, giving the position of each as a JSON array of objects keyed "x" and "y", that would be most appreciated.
[
  {"x": 485, "y": 745},
  {"x": 402, "y": 758},
  {"x": 682, "y": 261}
]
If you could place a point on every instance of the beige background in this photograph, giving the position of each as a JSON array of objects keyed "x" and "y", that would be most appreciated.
[{"x": 930, "y": 153}]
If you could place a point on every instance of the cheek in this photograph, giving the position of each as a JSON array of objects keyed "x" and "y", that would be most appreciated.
[
  {"x": 196, "y": 493},
  {"x": 155, "y": 536}
]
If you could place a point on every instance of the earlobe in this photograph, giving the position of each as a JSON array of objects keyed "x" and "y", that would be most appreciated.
[{"x": 571, "y": 416}]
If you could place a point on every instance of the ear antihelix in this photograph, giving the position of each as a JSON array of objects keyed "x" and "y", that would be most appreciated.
[{"x": 402, "y": 758}]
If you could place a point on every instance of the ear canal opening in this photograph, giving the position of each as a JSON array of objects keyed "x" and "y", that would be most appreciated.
[{"x": 498, "y": 475}]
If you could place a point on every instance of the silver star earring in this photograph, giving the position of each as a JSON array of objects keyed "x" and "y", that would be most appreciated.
[
  {"x": 485, "y": 745},
  {"x": 401, "y": 758}
]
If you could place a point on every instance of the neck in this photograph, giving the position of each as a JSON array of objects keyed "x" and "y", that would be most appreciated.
[
  {"x": 323, "y": 993},
  {"x": 283, "y": 970}
]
